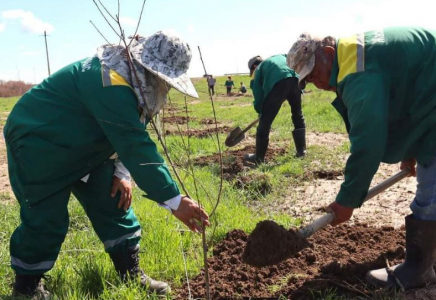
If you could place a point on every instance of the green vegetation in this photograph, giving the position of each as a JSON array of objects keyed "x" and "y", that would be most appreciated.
[
  {"x": 6, "y": 105},
  {"x": 84, "y": 271}
]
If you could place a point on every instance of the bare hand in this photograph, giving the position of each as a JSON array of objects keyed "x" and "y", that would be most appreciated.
[
  {"x": 341, "y": 213},
  {"x": 192, "y": 215},
  {"x": 125, "y": 188},
  {"x": 411, "y": 164}
]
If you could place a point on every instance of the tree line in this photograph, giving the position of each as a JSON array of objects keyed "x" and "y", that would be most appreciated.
[{"x": 13, "y": 88}]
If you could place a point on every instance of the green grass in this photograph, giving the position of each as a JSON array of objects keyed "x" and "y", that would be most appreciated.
[{"x": 84, "y": 271}]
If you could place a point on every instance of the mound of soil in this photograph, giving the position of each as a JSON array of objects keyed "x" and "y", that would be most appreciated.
[
  {"x": 270, "y": 243},
  {"x": 335, "y": 258},
  {"x": 233, "y": 161},
  {"x": 199, "y": 133},
  {"x": 177, "y": 119}
]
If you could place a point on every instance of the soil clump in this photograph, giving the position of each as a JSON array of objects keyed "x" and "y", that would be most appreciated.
[
  {"x": 270, "y": 243},
  {"x": 335, "y": 259}
]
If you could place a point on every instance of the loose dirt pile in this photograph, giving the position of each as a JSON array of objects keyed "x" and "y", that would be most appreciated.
[
  {"x": 177, "y": 119},
  {"x": 270, "y": 243},
  {"x": 335, "y": 258},
  {"x": 233, "y": 161}
]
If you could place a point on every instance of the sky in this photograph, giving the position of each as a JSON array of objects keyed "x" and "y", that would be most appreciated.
[{"x": 228, "y": 32}]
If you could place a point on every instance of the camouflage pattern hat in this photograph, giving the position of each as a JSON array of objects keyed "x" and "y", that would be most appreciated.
[
  {"x": 168, "y": 57},
  {"x": 301, "y": 56}
]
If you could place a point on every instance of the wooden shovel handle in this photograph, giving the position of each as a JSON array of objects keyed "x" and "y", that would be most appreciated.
[
  {"x": 326, "y": 219},
  {"x": 249, "y": 126}
]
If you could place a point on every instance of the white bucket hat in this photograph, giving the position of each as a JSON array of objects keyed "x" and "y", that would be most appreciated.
[{"x": 168, "y": 57}]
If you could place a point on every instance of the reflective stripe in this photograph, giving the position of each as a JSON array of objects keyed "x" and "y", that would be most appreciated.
[
  {"x": 111, "y": 77},
  {"x": 112, "y": 243},
  {"x": 105, "y": 74},
  {"x": 360, "y": 64},
  {"x": 44, "y": 265},
  {"x": 351, "y": 56}
]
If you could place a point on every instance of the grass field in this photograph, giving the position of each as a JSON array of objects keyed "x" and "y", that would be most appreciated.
[{"x": 84, "y": 271}]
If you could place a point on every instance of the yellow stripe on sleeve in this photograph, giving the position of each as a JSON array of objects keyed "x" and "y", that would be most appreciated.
[{"x": 350, "y": 56}]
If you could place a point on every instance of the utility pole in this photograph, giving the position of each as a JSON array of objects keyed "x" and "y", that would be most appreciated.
[{"x": 46, "y": 50}]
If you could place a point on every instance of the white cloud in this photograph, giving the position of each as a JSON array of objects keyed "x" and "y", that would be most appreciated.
[
  {"x": 2, "y": 27},
  {"x": 28, "y": 21},
  {"x": 127, "y": 21}
]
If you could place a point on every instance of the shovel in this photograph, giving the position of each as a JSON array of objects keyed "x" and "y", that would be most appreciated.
[
  {"x": 237, "y": 135},
  {"x": 323, "y": 221}
]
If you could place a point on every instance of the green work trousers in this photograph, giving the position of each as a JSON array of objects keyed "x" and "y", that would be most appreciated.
[{"x": 36, "y": 242}]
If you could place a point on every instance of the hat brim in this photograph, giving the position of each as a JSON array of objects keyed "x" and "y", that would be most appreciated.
[
  {"x": 306, "y": 70},
  {"x": 180, "y": 82}
]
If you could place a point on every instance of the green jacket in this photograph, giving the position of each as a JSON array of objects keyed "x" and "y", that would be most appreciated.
[
  {"x": 267, "y": 74},
  {"x": 72, "y": 122},
  {"x": 386, "y": 94}
]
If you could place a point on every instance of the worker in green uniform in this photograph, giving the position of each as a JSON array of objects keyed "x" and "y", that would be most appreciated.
[
  {"x": 385, "y": 83},
  {"x": 274, "y": 82},
  {"x": 61, "y": 136}
]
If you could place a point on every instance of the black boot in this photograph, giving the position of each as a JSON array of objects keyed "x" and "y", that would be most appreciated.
[
  {"x": 127, "y": 266},
  {"x": 300, "y": 141},
  {"x": 417, "y": 270},
  {"x": 30, "y": 286},
  {"x": 261, "y": 147}
]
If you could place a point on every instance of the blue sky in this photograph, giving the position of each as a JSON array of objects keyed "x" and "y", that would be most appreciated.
[{"x": 228, "y": 32}]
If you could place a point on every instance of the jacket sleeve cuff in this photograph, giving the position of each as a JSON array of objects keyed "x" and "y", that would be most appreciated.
[
  {"x": 347, "y": 199},
  {"x": 168, "y": 192}
]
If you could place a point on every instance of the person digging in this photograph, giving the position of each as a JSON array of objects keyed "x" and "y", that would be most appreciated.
[
  {"x": 272, "y": 83},
  {"x": 61, "y": 136},
  {"x": 385, "y": 85}
]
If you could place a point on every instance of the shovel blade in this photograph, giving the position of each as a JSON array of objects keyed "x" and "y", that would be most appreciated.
[{"x": 234, "y": 137}]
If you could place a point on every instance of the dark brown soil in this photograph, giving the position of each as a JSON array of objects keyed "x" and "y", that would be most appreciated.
[
  {"x": 324, "y": 174},
  {"x": 270, "y": 243},
  {"x": 335, "y": 258},
  {"x": 233, "y": 161},
  {"x": 208, "y": 121},
  {"x": 177, "y": 119},
  {"x": 199, "y": 133}
]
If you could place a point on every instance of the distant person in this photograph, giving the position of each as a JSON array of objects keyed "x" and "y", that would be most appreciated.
[
  {"x": 211, "y": 84},
  {"x": 243, "y": 88},
  {"x": 385, "y": 86},
  {"x": 49, "y": 154},
  {"x": 229, "y": 85},
  {"x": 272, "y": 83}
]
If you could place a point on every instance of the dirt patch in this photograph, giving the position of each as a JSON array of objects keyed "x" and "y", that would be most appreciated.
[
  {"x": 388, "y": 208},
  {"x": 335, "y": 258},
  {"x": 208, "y": 121},
  {"x": 177, "y": 119},
  {"x": 199, "y": 133},
  {"x": 233, "y": 161}
]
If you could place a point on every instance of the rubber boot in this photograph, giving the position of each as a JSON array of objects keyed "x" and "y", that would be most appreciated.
[
  {"x": 127, "y": 266},
  {"x": 30, "y": 286},
  {"x": 261, "y": 147},
  {"x": 417, "y": 270},
  {"x": 300, "y": 141}
]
